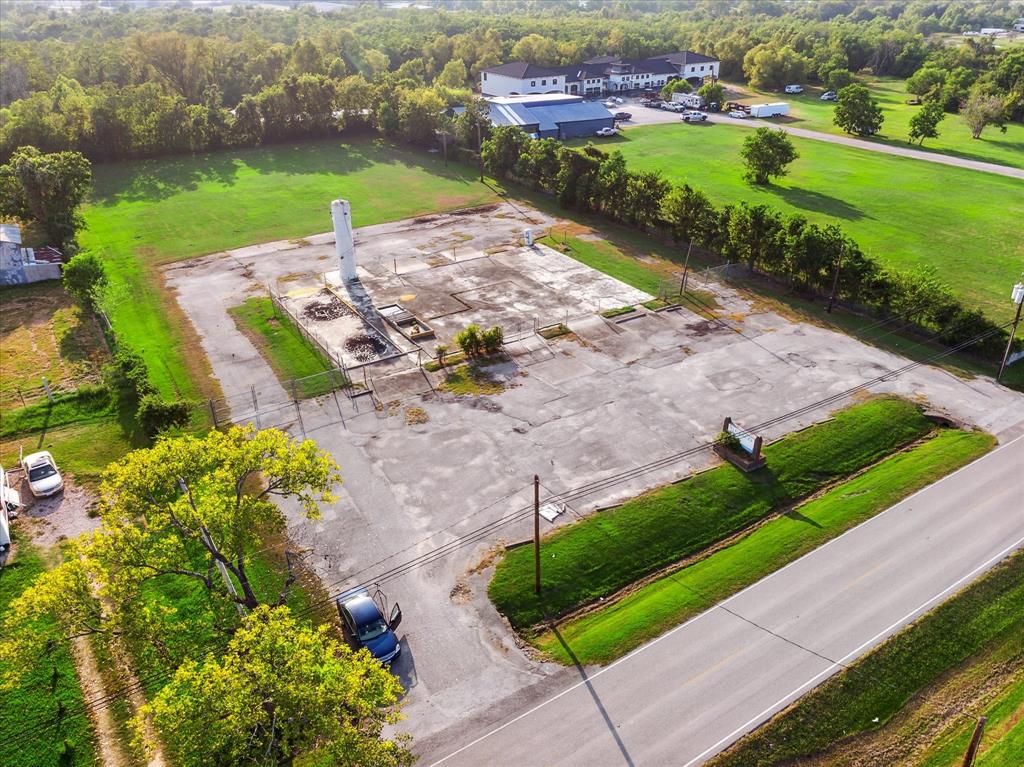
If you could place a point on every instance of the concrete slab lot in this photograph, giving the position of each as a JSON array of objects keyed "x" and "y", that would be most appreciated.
[{"x": 421, "y": 501}]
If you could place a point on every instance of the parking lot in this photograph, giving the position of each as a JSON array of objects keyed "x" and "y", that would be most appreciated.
[{"x": 425, "y": 489}]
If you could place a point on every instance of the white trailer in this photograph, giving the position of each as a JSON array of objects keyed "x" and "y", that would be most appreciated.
[
  {"x": 691, "y": 100},
  {"x": 776, "y": 109}
]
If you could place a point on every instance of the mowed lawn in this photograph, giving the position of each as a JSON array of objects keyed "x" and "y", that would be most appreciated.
[
  {"x": 810, "y": 112},
  {"x": 143, "y": 214},
  {"x": 901, "y": 211}
]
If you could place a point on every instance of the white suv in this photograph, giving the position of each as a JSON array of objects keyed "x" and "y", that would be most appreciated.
[{"x": 794, "y": 89}]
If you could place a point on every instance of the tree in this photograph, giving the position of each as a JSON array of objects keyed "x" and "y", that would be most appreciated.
[
  {"x": 674, "y": 86},
  {"x": 773, "y": 67},
  {"x": 280, "y": 690},
  {"x": 925, "y": 122},
  {"x": 837, "y": 79},
  {"x": 48, "y": 188},
  {"x": 712, "y": 93},
  {"x": 767, "y": 153},
  {"x": 474, "y": 124},
  {"x": 927, "y": 81},
  {"x": 691, "y": 214},
  {"x": 981, "y": 110},
  {"x": 454, "y": 75},
  {"x": 84, "y": 277},
  {"x": 755, "y": 235},
  {"x": 419, "y": 115},
  {"x": 536, "y": 49},
  {"x": 502, "y": 150},
  {"x": 857, "y": 112}
]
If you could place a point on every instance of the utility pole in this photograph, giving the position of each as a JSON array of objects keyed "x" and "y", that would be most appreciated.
[
  {"x": 686, "y": 268},
  {"x": 536, "y": 534},
  {"x": 835, "y": 280},
  {"x": 972, "y": 749},
  {"x": 1018, "y": 298},
  {"x": 480, "y": 149},
  {"x": 444, "y": 145}
]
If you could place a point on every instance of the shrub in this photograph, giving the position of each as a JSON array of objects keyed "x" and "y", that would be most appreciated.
[
  {"x": 156, "y": 414},
  {"x": 469, "y": 340},
  {"x": 492, "y": 339},
  {"x": 127, "y": 375},
  {"x": 729, "y": 441},
  {"x": 83, "y": 277}
]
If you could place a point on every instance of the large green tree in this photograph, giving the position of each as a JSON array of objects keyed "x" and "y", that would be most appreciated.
[
  {"x": 773, "y": 67},
  {"x": 857, "y": 111},
  {"x": 981, "y": 110},
  {"x": 925, "y": 122},
  {"x": 766, "y": 153},
  {"x": 280, "y": 690},
  {"x": 46, "y": 188}
]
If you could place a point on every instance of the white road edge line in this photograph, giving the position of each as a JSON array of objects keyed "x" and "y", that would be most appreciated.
[
  {"x": 905, "y": 620},
  {"x": 695, "y": 618}
]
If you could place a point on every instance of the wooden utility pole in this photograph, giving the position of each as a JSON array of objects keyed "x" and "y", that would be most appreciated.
[
  {"x": 972, "y": 749},
  {"x": 686, "y": 268},
  {"x": 835, "y": 280},
  {"x": 536, "y": 534},
  {"x": 480, "y": 149}
]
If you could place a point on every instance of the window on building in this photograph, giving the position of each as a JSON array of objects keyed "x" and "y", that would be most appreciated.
[
  {"x": 485, "y": 75},
  {"x": 533, "y": 83},
  {"x": 543, "y": 82}
]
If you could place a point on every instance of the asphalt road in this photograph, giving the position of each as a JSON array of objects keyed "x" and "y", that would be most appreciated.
[{"x": 687, "y": 695}]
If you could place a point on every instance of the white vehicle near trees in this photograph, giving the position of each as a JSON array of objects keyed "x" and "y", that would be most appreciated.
[
  {"x": 776, "y": 109},
  {"x": 693, "y": 116},
  {"x": 738, "y": 114},
  {"x": 794, "y": 89},
  {"x": 42, "y": 474},
  {"x": 604, "y": 132}
]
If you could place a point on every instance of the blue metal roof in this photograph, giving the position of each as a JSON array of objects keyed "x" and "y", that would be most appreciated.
[
  {"x": 567, "y": 113},
  {"x": 512, "y": 114}
]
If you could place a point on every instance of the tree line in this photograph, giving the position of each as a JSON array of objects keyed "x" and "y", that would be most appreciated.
[
  {"x": 165, "y": 81},
  {"x": 810, "y": 258}
]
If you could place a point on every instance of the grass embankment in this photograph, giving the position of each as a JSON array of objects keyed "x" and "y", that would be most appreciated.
[
  {"x": 903, "y": 212},
  {"x": 869, "y": 694},
  {"x": 144, "y": 214},
  {"x": 286, "y": 350},
  {"x": 808, "y": 111},
  {"x": 610, "y": 632},
  {"x": 471, "y": 378},
  {"x": 1002, "y": 743},
  {"x": 44, "y": 686},
  {"x": 611, "y": 549}
]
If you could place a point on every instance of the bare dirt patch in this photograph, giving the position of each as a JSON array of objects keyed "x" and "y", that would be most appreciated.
[
  {"x": 328, "y": 307},
  {"x": 63, "y": 516}
]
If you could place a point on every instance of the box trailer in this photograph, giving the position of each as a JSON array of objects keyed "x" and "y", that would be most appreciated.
[
  {"x": 691, "y": 100},
  {"x": 777, "y": 109}
]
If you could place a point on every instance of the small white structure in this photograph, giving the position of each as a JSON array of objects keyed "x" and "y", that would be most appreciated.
[
  {"x": 19, "y": 266},
  {"x": 1018, "y": 25},
  {"x": 775, "y": 109},
  {"x": 344, "y": 242}
]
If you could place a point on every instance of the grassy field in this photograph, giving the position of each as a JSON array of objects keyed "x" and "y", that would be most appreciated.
[
  {"x": 902, "y": 212},
  {"x": 143, "y": 214},
  {"x": 44, "y": 333},
  {"x": 44, "y": 685},
  {"x": 868, "y": 695},
  {"x": 611, "y": 549},
  {"x": 810, "y": 112},
  {"x": 612, "y": 631},
  {"x": 1002, "y": 744},
  {"x": 284, "y": 348}
]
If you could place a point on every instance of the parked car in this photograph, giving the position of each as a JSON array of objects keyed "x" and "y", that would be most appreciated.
[
  {"x": 623, "y": 116},
  {"x": 604, "y": 132},
  {"x": 364, "y": 625},
  {"x": 829, "y": 96},
  {"x": 694, "y": 116},
  {"x": 794, "y": 89},
  {"x": 652, "y": 103},
  {"x": 43, "y": 476},
  {"x": 738, "y": 114},
  {"x": 617, "y": 99},
  {"x": 673, "y": 106}
]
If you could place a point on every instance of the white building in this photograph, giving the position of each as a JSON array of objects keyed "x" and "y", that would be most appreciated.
[
  {"x": 605, "y": 74},
  {"x": 1018, "y": 25}
]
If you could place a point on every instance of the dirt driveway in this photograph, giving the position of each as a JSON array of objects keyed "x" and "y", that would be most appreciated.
[{"x": 615, "y": 395}]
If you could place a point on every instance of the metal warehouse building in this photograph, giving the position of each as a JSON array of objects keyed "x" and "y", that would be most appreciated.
[{"x": 551, "y": 115}]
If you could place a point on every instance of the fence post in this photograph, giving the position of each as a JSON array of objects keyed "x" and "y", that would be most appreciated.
[
  {"x": 22, "y": 397},
  {"x": 295, "y": 394},
  {"x": 255, "y": 406},
  {"x": 46, "y": 388},
  {"x": 213, "y": 413}
]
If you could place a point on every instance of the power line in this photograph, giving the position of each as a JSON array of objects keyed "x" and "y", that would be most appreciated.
[{"x": 484, "y": 531}]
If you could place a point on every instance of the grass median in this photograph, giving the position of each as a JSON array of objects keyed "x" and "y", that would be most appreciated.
[
  {"x": 871, "y": 692},
  {"x": 285, "y": 349},
  {"x": 610, "y": 550},
  {"x": 608, "y": 633}
]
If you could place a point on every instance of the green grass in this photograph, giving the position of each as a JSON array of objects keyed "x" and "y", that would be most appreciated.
[
  {"x": 611, "y": 549},
  {"x": 610, "y": 632},
  {"x": 865, "y": 697},
  {"x": 44, "y": 683},
  {"x": 143, "y": 214},
  {"x": 289, "y": 354},
  {"x": 810, "y": 112},
  {"x": 902, "y": 212},
  {"x": 606, "y": 257},
  {"x": 80, "y": 406},
  {"x": 470, "y": 379},
  {"x": 618, "y": 311}
]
